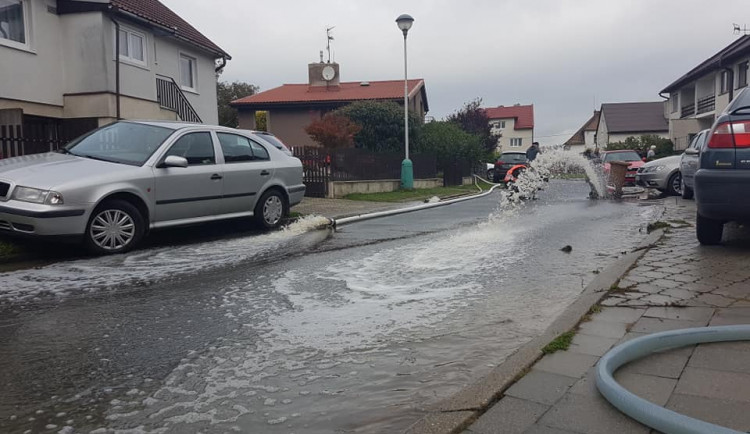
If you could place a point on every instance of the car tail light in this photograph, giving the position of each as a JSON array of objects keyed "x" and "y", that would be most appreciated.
[{"x": 730, "y": 134}]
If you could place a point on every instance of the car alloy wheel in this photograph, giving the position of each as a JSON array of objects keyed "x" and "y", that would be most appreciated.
[
  {"x": 676, "y": 184},
  {"x": 112, "y": 229},
  {"x": 273, "y": 210}
]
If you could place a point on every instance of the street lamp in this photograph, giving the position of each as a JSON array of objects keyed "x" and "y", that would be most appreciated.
[{"x": 404, "y": 22}]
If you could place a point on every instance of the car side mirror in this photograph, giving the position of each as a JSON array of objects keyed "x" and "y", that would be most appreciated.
[
  {"x": 174, "y": 161},
  {"x": 692, "y": 151}
]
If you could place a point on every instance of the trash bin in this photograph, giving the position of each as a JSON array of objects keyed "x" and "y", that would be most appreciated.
[{"x": 617, "y": 171}]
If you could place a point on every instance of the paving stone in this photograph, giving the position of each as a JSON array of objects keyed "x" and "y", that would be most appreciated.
[
  {"x": 612, "y": 301},
  {"x": 684, "y": 278},
  {"x": 566, "y": 363},
  {"x": 722, "y": 356},
  {"x": 510, "y": 415},
  {"x": 658, "y": 300},
  {"x": 541, "y": 429},
  {"x": 589, "y": 414},
  {"x": 726, "y": 413},
  {"x": 714, "y": 300},
  {"x": 648, "y": 288},
  {"x": 592, "y": 345},
  {"x": 637, "y": 278},
  {"x": 542, "y": 387},
  {"x": 681, "y": 313},
  {"x": 730, "y": 316},
  {"x": 664, "y": 283},
  {"x": 653, "y": 325},
  {"x": 649, "y": 387},
  {"x": 736, "y": 290},
  {"x": 714, "y": 384},
  {"x": 587, "y": 384},
  {"x": 621, "y": 314},
  {"x": 603, "y": 328},
  {"x": 699, "y": 287},
  {"x": 625, "y": 283},
  {"x": 741, "y": 303},
  {"x": 678, "y": 293},
  {"x": 654, "y": 274},
  {"x": 667, "y": 364}
]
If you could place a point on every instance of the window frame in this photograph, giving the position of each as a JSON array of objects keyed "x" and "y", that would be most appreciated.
[
  {"x": 27, "y": 23},
  {"x": 519, "y": 141},
  {"x": 144, "y": 47},
  {"x": 224, "y": 154},
  {"x": 742, "y": 74},
  {"x": 193, "y": 71},
  {"x": 724, "y": 84},
  {"x": 176, "y": 140},
  {"x": 675, "y": 102}
]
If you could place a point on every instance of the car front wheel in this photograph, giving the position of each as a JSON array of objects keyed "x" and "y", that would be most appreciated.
[
  {"x": 708, "y": 231},
  {"x": 674, "y": 184},
  {"x": 271, "y": 209},
  {"x": 115, "y": 226}
]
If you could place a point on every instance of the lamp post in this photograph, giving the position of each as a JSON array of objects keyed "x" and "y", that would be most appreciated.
[{"x": 404, "y": 22}]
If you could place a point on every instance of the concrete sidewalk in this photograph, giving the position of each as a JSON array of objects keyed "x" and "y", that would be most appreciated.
[{"x": 676, "y": 284}]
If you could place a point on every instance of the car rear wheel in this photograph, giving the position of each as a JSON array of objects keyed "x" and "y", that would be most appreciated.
[
  {"x": 115, "y": 226},
  {"x": 271, "y": 209},
  {"x": 708, "y": 231},
  {"x": 674, "y": 184},
  {"x": 491, "y": 174},
  {"x": 687, "y": 192}
]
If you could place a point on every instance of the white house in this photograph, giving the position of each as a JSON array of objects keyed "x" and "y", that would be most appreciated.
[
  {"x": 513, "y": 126},
  {"x": 703, "y": 92},
  {"x": 585, "y": 137},
  {"x": 68, "y": 66},
  {"x": 618, "y": 121}
]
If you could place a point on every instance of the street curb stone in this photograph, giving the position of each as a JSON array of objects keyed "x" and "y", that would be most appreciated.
[{"x": 469, "y": 403}]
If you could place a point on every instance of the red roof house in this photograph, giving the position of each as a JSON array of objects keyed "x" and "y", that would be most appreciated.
[
  {"x": 513, "y": 125},
  {"x": 292, "y": 107}
]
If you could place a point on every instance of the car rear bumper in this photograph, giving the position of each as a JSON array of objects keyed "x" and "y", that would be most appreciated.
[
  {"x": 723, "y": 194},
  {"x": 296, "y": 194},
  {"x": 31, "y": 220}
]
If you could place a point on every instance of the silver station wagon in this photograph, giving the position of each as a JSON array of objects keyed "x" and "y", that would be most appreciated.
[{"x": 113, "y": 185}]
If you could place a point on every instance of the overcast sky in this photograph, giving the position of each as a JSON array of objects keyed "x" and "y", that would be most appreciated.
[{"x": 565, "y": 57}]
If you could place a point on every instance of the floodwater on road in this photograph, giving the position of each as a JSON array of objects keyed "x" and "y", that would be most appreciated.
[{"x": 356, "y": 332}]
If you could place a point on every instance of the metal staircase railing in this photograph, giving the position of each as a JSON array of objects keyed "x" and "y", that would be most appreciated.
[{"x": 170, "y": 96}]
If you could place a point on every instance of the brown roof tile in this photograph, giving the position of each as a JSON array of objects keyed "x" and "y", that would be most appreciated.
[
  {"x": 634, "y": 117},
  {"x": 523, "y": 114},
  {"x": 579, "y": 138},
  {"x": 157, "y": 13}
]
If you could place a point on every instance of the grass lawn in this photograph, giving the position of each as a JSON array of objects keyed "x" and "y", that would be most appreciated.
[{"x": 418, "y": 194}]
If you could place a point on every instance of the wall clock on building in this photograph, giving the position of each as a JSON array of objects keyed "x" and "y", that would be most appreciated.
[{"x": 328, "y": 73}]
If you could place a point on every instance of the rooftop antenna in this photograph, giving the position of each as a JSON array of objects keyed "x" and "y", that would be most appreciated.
[
  {"x": 321, "y": 56},
  {"x": 737, "y": 30},
  {"x": 329, "y": 38}
]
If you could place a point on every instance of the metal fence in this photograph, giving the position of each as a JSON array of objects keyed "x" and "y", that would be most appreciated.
[
  {"x": 17, "y": 140},
  {"x": 360, "y": 165}
]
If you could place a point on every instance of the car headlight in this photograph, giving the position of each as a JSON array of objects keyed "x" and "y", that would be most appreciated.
[
  {"x": 660, "y": 168},
  {"x": 35, "y": 195}
]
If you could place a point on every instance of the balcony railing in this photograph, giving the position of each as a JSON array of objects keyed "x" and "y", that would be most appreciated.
[
  {"x": 170, "y": 96},
  {"x": 706, "y": 104},
  {"x": 687, "y": 110}
]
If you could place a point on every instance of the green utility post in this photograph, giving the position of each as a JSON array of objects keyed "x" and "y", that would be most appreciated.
[{"x": 407, "y": 170}]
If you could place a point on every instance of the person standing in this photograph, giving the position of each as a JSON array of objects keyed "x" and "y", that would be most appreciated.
[
  {"x": 651, "y": 152},
  {"x": 533, "y": 151}
]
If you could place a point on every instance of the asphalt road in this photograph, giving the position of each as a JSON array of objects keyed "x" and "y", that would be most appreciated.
[{"x": 303, "y": 330}]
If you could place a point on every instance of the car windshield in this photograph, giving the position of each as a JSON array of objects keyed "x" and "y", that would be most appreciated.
[
  {"x": 513, "y": 158},
  {"x": 121, "y": 142},
  {"x": 622, "y": 156}
]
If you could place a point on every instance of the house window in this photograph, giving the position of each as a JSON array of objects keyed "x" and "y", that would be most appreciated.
[
  {"x": 187, "y": 72},
  {"x": 742, "y": 74},
  {"x": 14, "y": 19},
  {"x": 132, "y": 46},
  {"x": 516, "y": 142},
  {"x": 675, "y": 102},
  {"x": 502, "y": 124},
  {"x": 724, "y": 82}
]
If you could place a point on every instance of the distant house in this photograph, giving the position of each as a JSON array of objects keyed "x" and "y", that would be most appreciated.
[
  {"x": 292, "y": 107},
  {"x": 513, "y": 125},
  {"x": 618, "y": 121},
  {"x": 63, "y": 72},
  {"x": 698, "y": 96},
  {"x": 585, "y": 137}
]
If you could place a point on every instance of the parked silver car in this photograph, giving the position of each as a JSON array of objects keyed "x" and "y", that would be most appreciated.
[
  {"x": 689, "y": 163},
  {"x": 113, "y": 185},
  {"x": 662, "y": 174}
]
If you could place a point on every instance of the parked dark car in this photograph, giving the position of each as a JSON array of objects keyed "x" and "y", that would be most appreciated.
[
  {"x": 722, "y": 181},
  {"x": 505, "y": 162},
  {"x": 689, "y": 163}
]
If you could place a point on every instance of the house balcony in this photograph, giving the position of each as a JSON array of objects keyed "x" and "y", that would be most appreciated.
[
  {"x": 706, "y": 104},
  {"x": 687, "y": 110}
]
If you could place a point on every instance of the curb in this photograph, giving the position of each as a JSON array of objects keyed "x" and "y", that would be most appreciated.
[{"x": 457, "y": 412}]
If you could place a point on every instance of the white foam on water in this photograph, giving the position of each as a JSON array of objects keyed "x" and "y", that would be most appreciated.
[{"x": 148, "y": 266}]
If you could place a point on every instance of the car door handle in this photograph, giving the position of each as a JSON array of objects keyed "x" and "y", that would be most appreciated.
[
  {"x": 265, "y": 173},
  {"x": 216, "y": 176}
]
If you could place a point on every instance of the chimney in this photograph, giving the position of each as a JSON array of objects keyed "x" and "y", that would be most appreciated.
[{"x": 323, "y": 75}]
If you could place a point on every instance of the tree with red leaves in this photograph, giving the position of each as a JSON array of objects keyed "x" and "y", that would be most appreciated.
[{"x": 333, "y": 131}]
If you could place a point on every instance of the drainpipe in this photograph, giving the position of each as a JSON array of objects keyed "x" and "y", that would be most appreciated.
[{"x": 117, "y": 66}]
